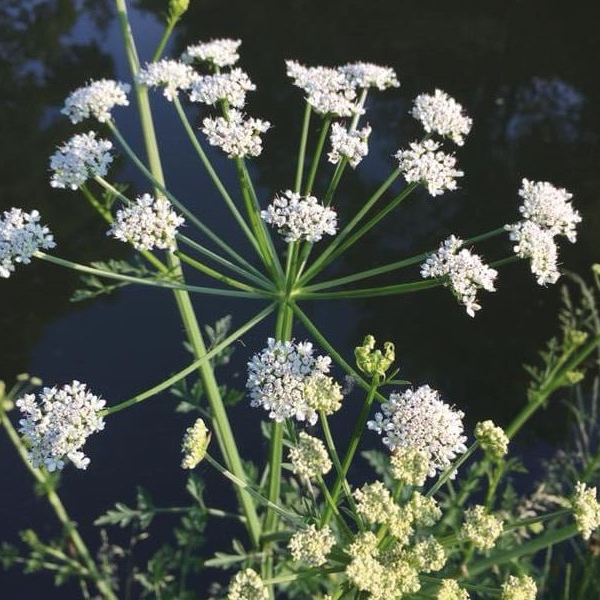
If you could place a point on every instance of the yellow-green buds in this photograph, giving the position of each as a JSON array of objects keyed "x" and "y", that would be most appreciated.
[
  {"x": 492, "y": 439},
  {"x": 374, "y": 362},
  {"x": 177, "y": 8},
  {"x": 195, "y": 443}
]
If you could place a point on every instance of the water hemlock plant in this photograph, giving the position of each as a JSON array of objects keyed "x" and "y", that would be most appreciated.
[{"x": 435, "y": 520}]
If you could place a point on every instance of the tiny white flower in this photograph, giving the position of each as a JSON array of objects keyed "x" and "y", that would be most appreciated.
[
  {"x": 441, "y": 114},
  {"x": 585, "y": 507},
  {"x": 519, "y": 588},
  {"x": 424, "y": 163},
  {"x": 173, "y": 75},
  {"x": 21, "y": 235},
  {"x": 96, "y": 100},
  {"x": 247, "y": 585},
  {"x": 539, "y": 247},
  {"x": 419, "y": 419},
  {"x": 232, "y": 87},
  {"x": 299, "y": 217},
  {"x": 466, "y": 272},
  {"x": 81, "y": 157},
  {"x": 220, "y": 53},
  {"x": 58, "y": 423},
  {"x": 549, "y": 207},
  {"x": 194, "y": 445},
  {"x": 480, "y": 528},
  {"x": 366, "y": 75},
  {"x": 236, "y": 135},
  {"x": 352, "y": 145},
  {"x": 327, "y": 90},
  {"x": 146, "y": 224},
  {"x": 279, "y": 378},
  {"x": 309, "y": 457},
  {"x": 312, "y": 545}
]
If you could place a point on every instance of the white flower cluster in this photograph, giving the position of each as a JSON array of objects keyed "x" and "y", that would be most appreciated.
[
  {"x": 220, "y": 53},
  {"x": 57, "y": 425},
  {"x": 550, "y": 208},
  {"x": 441, "y": 114},
  {"x": 78, "y": 159},
  {"x": 173, "y": 75},
  {"x": 492, "y": 439},
  {"x": 312, "y": 545},
  {"x": 279, "y": 376},
  {"x": 419, "y": 419},
  {"x": 365, "y": 75},
  {"x": 586, "y": 509},
  {"x": 547, "y": 213},
  {"x": 21, "y": 235},
  {"x": 480, "y": 528},
  {"x": 146, "y": 224},
  {"x": 299, "y": 217},
  {"x": 519, "y": 588},
  {"x": 327, "y": 90},
  {"x": 539, "y": 247},
  {"x": 232, "y": 87},
  {"x": 465, "y": 271},
  {"x": 309, "y": 457},
  {"x": 247, "y": 585},
  {"x": 194, "y": 445},
  {"x": 96, "y": 100},
  {"x": 236, "y": 135},
  {"x": 351, "y": 144},
  {"x": 425, "y": 163},
  {"x": 450, "y": 590}
]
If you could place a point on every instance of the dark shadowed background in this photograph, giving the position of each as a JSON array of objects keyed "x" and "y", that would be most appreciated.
[{"x": 526, "y": 71}]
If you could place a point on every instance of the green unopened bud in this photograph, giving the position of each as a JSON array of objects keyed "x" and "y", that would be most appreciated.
[
  {"x": 573, "y": 377},
  {"x": 596, "y": 268},
  {"x": 576, "y": 337},
  {"x": 195, "y": 444},
  {"x": 177, "y": 8},
  {"x": 374, "y": 362}
]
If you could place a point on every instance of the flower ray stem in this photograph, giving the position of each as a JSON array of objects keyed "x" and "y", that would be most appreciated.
[
  {"x": 259, "y": 279},
  {"x": 222, "y": 427},
  {"x": 149, "y": 282},
  {"x": 447, "y": 474},
  {"x": 317, "y": 156},
  {"x": 163, "y": 385},
  {"x": 59, "y": 509},
  {"x": 215, "y": 178},
  {"x": 192, "y": 262},
  {"x": 302, "y": 149},
  {"x": 324, "y": 258},
  {"x": 334, "y": 509},
  {"x": 387, "y": 290},
  {"x": 341, "y": 470},
  {"x": 359, "y": 427}
]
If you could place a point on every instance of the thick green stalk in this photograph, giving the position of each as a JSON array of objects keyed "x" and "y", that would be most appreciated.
[
  {"x": 213, "y": 175},
  {"x": 322, "y": 260},
  {"x": 221, "y": 424},
  {"x": 59, "y": 509},
  {"x": 359, "y": 427},
  {"x": 167, "y": 383},
  {"x": 317, "y": 156}
]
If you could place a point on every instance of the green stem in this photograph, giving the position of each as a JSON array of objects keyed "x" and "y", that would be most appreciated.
[
  {"x": 150, "y": 282},
  {"x": 334, "y": 509},
  {"x": 59, "y": 509},
  {"x": 164, "y": 39},
  {"x": 221, "y": 424},
  {"x": 167, "y": 383},
  {"x": 317, "y": 156},
  {"x": 359, "y": 427},
  {"x": 323, "y": 258},
  {"x": 259, "y": 279},
  {"x": 302, "y": 149},
  {"x": 394, "y": 266},
  {"x": 386, "y": 290},
  {"x": 526, "y": 549},
  {"x": 341, "y": 470},
  {"x": 447, "y": 474},
  {"x": 216, "y": 274},
  {"x": 213, "y": 175}
]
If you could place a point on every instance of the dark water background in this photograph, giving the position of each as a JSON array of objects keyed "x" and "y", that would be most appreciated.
[{"x": 527, "y": 72}]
